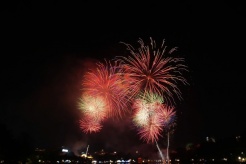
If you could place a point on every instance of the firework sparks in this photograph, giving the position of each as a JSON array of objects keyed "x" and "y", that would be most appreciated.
[
  {"x": 90, "y": 125},
  {"x": 93, "y": 107},
  {"x": 151, "y": 115},
  {"x": 142, "y": 114},
  {"x": 106, "y": 81},
  {"x": 148, "y": 77},
  {"x": 149, "y": 70},
  {"x": 145, "y": 106},
  {"x": 148, "y": 116},
  {"x": 152, "y": 131},
  {"x": 94, "y": 112},
  {"x": 169, "y": 115}
]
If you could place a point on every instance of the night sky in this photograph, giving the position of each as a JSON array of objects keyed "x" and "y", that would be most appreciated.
[{"x": 46, "y": 46}]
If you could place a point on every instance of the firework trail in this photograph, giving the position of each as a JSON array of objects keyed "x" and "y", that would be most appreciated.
[
  {"x": 169, "y": 116},
  {"x": 149, "y": 70},
  {"x": 161, "y": 154}
]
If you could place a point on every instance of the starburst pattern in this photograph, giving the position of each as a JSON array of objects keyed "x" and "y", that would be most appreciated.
[
  {"x": 93, "y": 107},
  {"x": 106, "y": 82},
  {"x": 149, "y": 69}
]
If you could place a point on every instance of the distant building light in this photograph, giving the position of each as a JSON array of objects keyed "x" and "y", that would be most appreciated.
[
  {"x": 37, "y": 149},
  {"x": 65, "y": 150},
  {"x": 83, "y": 155},
  {"x": 90, "y": 157},
  {"x": 225, "y": 159},
  {"x": 238, "y": 137}
]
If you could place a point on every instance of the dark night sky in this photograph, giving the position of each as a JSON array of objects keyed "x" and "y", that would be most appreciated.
[{"x": 45, "y": 46}]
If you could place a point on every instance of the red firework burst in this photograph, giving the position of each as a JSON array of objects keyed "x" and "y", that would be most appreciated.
[
  {"x": 106, "y": 82},
  {"x": 90, "y": 125},
  {"x": 149, "y": 70},
  {"x": 148, "y": 116},
  {"x": 152, "y": 131},
  {"x": 151, "y": 116},
  {"x": 168, "y": 114}
]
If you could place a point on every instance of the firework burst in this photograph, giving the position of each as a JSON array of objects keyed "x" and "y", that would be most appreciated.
[
  {"x": 148, "y": 116},
  {"x": 93, "y": 107},
  {"x": 152, "y": 131},
  {"x": 106, "y": 82},
  {"x": 145, "y": 106},
  {"x": 149, "y": 70},
  {"x": 169, "y": 116},
  {"x": 90, "y": 125},
  {"x": 94, "y": 113}
]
